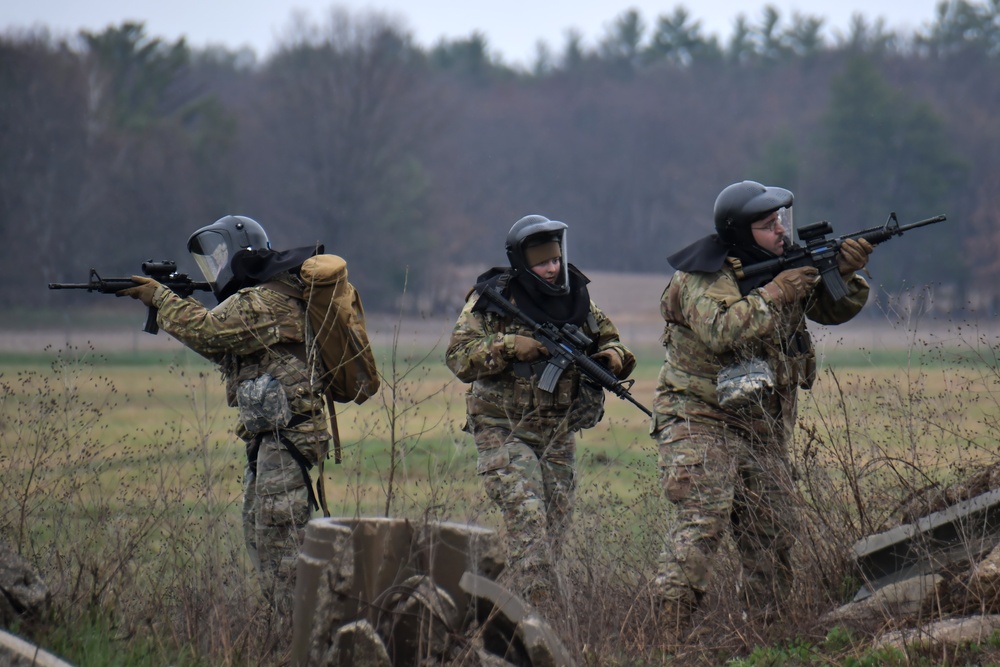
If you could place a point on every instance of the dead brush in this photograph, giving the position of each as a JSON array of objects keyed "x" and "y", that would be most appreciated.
[
  {"x": 128, "y": 545},
  {"x": 133, "y": 521}
]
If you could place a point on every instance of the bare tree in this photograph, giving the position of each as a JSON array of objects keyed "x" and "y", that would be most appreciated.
[{"x": 337, "y": 130}]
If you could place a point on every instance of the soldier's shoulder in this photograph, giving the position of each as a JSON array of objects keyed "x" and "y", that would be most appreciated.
[
  {"x": 261, "y": 298},
  {"x": 702, "y": 279}
]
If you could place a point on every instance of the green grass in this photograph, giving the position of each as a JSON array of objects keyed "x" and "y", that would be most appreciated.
[
  {"x": 903, "y": 358},
  {"x": 122, "y": 481},
  {"x": 97, "y": 639},
  {"x": 81, "y": 311},
  {"x": 153, "y": 399}
]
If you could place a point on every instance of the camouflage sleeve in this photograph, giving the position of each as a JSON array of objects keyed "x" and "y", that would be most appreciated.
[
  {"x": 476, "y": 349},
  {"x": 608, "y": 339},
  {"x": 825, "y": 310},
  {"x": 720, "y": 316},
  {"x": 240, "y": 325}
]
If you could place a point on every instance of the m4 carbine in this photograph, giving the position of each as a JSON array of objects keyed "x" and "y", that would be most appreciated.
[
  {"x": 821, "y": 252},
  {"x": 163, "y": 272},
  {"x": 566, "y": 345}
]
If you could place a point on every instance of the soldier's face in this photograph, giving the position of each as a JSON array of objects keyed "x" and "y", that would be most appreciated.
[
  {"x": 548, "y": 270},
  {"x": 769, "y": 234}
]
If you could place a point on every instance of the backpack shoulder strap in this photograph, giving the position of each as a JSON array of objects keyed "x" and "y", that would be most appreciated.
[{"x": 297, "y": 349}]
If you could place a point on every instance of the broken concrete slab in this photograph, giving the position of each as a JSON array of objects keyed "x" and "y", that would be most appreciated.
[{"x": 962, "y": 532}]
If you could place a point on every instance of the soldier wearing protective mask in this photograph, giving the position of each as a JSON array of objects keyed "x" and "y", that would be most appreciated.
[
  {"x": 257, "y": 334},
  {"x": 525, "y": 436},
  {"x": 725, "y": 405}
]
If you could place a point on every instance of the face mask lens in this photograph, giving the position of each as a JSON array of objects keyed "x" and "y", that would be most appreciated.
[
  {"x": 785, "y": 218},
  {"x": 211, "y": 254}
]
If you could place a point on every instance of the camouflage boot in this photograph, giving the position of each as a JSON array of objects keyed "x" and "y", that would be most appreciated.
[
  {"x": 673, "y": 608},
  {"x": 544, "y": 595}
]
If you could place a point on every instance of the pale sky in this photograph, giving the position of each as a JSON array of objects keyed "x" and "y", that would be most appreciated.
[{"x": 512, "y": 27}]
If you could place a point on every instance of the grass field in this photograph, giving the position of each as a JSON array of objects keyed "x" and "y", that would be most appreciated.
[
  {"x": 120, "y": 474},
  {"x": 155, "y": 406}
]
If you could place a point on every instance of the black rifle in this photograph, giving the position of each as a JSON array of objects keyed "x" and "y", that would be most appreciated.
[
  {"x": 566, "y": 345},
  {"x": 164, "y": 272},
  {"x": 822, "y": 252}
]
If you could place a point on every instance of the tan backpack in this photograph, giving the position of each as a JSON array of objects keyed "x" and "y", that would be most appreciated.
[
  {"x": 337, "y": 320},
  {"x": 338, "y": 323}
]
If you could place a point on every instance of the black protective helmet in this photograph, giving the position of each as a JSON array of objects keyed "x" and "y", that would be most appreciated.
[
  {"x": 533, "y": 231},
  {"x": 741, "y": 204},
  {"x": 213, "y": 248}
]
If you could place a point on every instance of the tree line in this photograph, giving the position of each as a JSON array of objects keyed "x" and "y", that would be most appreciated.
[{"x": 413, "y": 162}]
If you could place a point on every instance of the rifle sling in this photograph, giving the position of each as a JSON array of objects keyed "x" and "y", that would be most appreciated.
[
  {"x": 299, "y": 351},
  {"x": 300, "y": 459}
]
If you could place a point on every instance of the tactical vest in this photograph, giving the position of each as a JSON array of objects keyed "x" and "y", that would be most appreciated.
[
  {"x": 513, "y": 396},
  {"x": 788, "y": 350}
]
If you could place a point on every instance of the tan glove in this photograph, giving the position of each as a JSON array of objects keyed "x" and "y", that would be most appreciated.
[
  {"x": 853, "y": 255},
  {"x": 526, "y": 348},
  {"x": 144, "y": 290},
  {"x": 793, "y": 285},
  {"x": 611, "y": 360}
]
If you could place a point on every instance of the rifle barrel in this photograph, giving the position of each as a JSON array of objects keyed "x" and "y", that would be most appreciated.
[
  {"x": 888, "y": 230},
  {"x": 921, "y": 223},
  {"x": 873, "y": 235}
]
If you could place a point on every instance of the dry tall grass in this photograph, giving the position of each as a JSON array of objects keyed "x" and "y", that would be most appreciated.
[{"x": 120, "y": 484}]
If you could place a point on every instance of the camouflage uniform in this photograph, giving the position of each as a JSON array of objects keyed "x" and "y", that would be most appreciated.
[
  {"x": 724, "y": 469},
  {"x": 525, "y": 437},
  {"x": 260, "y": 331}
]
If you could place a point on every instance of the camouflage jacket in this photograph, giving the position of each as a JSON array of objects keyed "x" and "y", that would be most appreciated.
[
  {"x": 709, "y": 325},
  {"x": 481, "y": 353},
  {"x": 253, "y": 332}
]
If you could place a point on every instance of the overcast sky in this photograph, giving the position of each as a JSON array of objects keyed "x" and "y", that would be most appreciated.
[{"x": 512, "y": 27}]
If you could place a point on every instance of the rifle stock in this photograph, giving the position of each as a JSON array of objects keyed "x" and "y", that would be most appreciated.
[{"x": 566, "y": 346}]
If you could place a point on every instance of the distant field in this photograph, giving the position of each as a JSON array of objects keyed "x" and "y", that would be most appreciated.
[
  {"x": 116, "y": 446},
  {"x": 164, "y": 396},
  {"x": 631, "y": 300},
  {"x": 123, "y": 454},
  {"x": 159, "y": 398}
]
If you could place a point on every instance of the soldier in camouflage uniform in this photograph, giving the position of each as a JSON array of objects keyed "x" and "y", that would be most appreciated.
[
  {"x": 525, "y": 436},
  {"x": 257, "y": 336},
  {"x": 728, "y": 467}
]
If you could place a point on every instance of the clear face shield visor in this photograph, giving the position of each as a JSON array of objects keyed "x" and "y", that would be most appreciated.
[
  {"x": 786, "y": 221},
  {"x": 210, "y": 251},
  {"x": 542, "y": 253}
]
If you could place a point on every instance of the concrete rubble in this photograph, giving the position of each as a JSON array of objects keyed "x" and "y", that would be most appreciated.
[
  {"x": 23, "y": 598},
  {"x": 384, "y": 592},
  {"x": 935, "y": 579}
]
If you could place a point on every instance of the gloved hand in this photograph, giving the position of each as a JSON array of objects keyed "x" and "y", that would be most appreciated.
[
  {"x": 853, "y": 255},
  {"x": 144, "y": 290},
  {"x": 526, "y": 348},
  {"x": 793, "y": 285},
  {"x": 610, "y": 360}
]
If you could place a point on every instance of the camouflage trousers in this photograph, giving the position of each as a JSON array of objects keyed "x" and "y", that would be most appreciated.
[
  {"x": 717, "y": 479},
  {"x": 275, "y": 512},
  {"x": 531, "y": 478}
]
